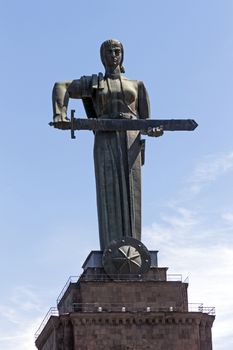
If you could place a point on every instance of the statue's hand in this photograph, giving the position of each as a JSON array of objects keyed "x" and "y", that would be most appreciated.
[
  {"x": 61, "y": 122},
  {"x": 155, "y": 132}
]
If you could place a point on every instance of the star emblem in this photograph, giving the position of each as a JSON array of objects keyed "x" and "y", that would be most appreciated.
[{"x": 127, "y": 259}]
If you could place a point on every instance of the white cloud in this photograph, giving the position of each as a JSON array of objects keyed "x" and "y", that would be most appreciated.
[
  {"x": 228, "y": 216},
  {"x": 209, "y": 169},
  {"x": 209, "y": 267},
  {"x": 20, "y": 316},
  {"x": 194, "y": 238},
  {"x": 190, "y": 243},
  {"x": 183, "y": 220}
]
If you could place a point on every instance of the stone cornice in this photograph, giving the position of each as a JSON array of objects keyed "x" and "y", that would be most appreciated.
[{"x": 152, "y": 318}]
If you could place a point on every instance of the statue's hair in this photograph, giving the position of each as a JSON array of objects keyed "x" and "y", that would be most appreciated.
[{"x": 109, "y": 43}]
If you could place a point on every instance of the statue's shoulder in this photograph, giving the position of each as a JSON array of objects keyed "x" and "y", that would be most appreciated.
[
  {"x": 94, "y": 81},
  {"x": 91, "y": 82},
  {"x": 136, "y": 83},
  {"x": 132, "y": 80},
  {"x": 127, "y": 79}
]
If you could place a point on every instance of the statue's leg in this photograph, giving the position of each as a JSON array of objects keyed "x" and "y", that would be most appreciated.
[{"x": 110, "y": 153}]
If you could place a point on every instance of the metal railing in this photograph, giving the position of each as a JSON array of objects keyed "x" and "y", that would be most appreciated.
[
  {"x": 53, "y": 311},
  {"x": 71, "y": 279},
  {"x": 197, "y": 307},
  {"x": 124, "y": 307},
  {"x": 174, "y": 277},
  {"x": 134, "y": 308}
]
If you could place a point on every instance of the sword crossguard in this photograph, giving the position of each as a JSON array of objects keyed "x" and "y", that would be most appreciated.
[{"x": 72, "y": 124}]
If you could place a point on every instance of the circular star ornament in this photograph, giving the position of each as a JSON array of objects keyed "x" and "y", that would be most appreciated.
[{"x": 126, "y": 258}]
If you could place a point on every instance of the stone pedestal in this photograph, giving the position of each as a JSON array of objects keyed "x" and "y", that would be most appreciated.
[{"x": 136, "y": 312}]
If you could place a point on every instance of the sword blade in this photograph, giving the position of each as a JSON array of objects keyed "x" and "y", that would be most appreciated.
[
  {"x": 126, "y": 124},
  {"x": 134, "y": 124}
]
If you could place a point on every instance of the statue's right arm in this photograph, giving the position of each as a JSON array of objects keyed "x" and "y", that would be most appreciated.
[{"x": 62, "y": 91}]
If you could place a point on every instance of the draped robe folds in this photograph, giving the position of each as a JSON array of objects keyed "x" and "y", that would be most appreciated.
[{"x": 117, "y": 155}]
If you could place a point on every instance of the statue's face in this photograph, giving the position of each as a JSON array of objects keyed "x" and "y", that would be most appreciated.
[{"x": 113, "y": 56}]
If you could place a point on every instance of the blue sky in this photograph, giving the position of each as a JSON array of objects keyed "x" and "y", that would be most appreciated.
[{"x": 183, "y": 51}]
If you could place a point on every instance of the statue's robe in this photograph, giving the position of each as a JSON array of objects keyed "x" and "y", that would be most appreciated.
[{"x": 118, "y": 156}]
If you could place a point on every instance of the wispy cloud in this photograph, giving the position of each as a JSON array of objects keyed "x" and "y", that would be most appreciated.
[
  {"x": 209, "y": 267},
  {"x": 228, "y": 216},
  {"x": 190, "y": 242},
  {"x": 209, "y": 169},
  {"x": 20, "y": 316},
  {"x": 195, "y": 238}
]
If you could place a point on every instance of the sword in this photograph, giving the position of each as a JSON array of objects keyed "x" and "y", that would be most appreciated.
[{"x": 95, "y": 124}]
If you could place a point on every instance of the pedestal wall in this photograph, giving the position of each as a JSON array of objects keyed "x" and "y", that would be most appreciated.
[{"x": 140, "y": 312}]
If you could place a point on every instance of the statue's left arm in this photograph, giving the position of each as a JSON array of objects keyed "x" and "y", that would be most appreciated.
[
  {"x": 143, "y": 102},
  {"x": 144, "y": 111}
]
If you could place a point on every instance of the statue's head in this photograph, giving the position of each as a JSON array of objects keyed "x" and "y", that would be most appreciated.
[{"x": 112, "y": 54}]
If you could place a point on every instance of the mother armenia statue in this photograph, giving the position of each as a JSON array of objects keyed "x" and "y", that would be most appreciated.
[{"x": 118, "y": 155}]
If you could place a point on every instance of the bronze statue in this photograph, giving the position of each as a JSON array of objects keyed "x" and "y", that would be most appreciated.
[
  {"x": 118, "y": 111},
  {"x": 118, "y": 155}
]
